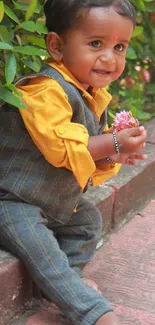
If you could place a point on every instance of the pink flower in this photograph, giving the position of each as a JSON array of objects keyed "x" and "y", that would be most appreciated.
[
  {"x": 124, "y": 120},
  {"x": 146, "y": 75}
]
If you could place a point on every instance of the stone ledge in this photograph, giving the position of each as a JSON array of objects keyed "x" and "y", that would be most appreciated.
[
  {"x": 134, "y": 187},
  {"x": 15, "y": 286},
  {"x": 103, "y": 198}
]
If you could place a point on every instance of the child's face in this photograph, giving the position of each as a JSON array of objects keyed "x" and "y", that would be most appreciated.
[{"x": 95, "y": 52}]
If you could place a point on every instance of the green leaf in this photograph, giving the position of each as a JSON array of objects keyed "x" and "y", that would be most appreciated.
[
  {"x": 131, "y": 54},
  {"x": 1, "y": 10},
  {"x": 41, "y": 28},
  {"x": 39, "y": 41},
  {"x": 134, "y": 112},
  {"x": 30, "y": 50},
  {"x": 28, "y": 25},
  {"x": 24, "y": 7},
  {"x": 20, "y": 6},
  {"x": 4, "y": 34},
  {"x": 111, "y": 114},
  {"x": 10, "y": 68},
  {"x": 137, "y": 46},
  {"x": 11, "y": 14},
  {"x": 140, "y": 4},
  {"x": 138, "y": 31},
  {"x": 5, "y": 46},
  {"x": 7, "y": 96},
  {"x": 33, "y": 65},
  {"x": 15, "y": 90},
  {"x": 31, "y": 9},
  {"x": 143, "y": 116}
]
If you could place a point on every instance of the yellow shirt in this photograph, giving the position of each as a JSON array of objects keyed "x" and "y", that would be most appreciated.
[{"x": 48, "y": 121}]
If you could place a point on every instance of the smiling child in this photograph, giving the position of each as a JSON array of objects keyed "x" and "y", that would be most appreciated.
[{"x": 60, "y": 144}]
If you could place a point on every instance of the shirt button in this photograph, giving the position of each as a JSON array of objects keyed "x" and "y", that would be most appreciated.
[{"x": 61, "y": 130}]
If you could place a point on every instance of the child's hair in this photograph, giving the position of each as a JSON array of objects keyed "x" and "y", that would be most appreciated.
[{"x": 62, "y": 15}]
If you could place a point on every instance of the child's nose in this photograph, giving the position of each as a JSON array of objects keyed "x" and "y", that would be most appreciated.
[{"x": 109, "y": 57}]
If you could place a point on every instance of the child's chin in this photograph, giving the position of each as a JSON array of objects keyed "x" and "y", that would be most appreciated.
[{"x": 100, "y": 85}]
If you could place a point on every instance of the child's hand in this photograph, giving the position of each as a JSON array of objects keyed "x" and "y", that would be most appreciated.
[
  {"x": 131, "y": 159},
  {"x": 131, "y": 140}
]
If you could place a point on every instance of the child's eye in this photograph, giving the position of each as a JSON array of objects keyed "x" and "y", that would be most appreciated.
[
  {"x": 96, "y": 44},
  {"x": 119, "y": 47}
]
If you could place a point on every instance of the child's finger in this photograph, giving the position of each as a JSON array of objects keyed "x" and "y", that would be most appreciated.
[
  {"x": 138, "y": 156},
  {"x": 139, "y": 134},
  {"x": 131, "y": 161},
  {"x": 144, "y": 144},
  {"x": 142, "y": 157}
]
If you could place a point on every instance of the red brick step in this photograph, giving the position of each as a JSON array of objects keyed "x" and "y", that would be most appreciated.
[
  {"x": 15, "y": 287},
  {"x": 43, "y": 314}
]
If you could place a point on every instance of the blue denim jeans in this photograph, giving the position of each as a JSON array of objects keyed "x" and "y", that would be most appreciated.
[{"x": 55, "y": 254}]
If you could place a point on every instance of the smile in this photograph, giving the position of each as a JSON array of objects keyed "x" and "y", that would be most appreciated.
[{"x": 102, "y": 72}]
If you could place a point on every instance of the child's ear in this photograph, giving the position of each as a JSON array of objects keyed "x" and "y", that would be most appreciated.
[{"x": 54, "y": 45}]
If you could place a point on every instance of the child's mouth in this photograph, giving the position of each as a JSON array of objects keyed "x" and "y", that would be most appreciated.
[{"x": 102, "y": 72}]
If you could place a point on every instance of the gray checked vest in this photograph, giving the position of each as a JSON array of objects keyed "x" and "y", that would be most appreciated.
[{"x": 23, "y": 169}]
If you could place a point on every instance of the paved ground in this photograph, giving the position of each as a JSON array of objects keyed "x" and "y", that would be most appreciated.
[{"x": 125, "y": 270}]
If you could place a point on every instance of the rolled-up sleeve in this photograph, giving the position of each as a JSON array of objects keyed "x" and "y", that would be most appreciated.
[
  {"x": 48, "y": 121},
  {"x": 104, "y": 172}
]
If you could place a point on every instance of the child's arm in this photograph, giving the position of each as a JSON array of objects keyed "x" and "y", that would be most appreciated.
[{"x": 130, "y": 141}]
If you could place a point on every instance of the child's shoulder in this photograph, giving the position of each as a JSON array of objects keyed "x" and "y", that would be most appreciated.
[{"x": 39, "y": 84}]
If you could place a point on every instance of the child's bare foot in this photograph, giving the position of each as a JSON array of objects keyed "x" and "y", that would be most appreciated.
[
  {"x": 108, "y": 319},
  {"x": 92, "y": 284}
]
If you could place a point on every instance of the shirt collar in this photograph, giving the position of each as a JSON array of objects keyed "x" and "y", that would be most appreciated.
[{"x": 100, "y": 96}]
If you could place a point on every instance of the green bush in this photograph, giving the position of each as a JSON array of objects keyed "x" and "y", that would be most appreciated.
[
  {"x": 135, "y": 89},
  {"x": 23, "y": 48},
  {"x": 22, "y": 44}
]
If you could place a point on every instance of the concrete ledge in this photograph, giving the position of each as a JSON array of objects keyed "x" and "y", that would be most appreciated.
[
  {"x": 134, "y": 187},
  {"x": 15, "y": 286},
  {"x": 104, "y": 199}
]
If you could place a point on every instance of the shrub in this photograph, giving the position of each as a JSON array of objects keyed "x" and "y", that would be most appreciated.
[
  {"x": 23, "y": 48},
  {"x": 22, "y": 44},
  {"x": 135, "y": 90}
]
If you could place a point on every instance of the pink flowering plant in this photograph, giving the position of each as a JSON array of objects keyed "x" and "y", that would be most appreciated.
[{"x": 124, "y": 120}]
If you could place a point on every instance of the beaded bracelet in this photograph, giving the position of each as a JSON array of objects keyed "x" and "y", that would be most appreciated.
[
  {"x": 110, "y": 161},
  {"x": 116, "y": 142}
]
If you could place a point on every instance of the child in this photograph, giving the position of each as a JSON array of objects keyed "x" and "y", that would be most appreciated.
[{"x": 52, "y": 150}]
